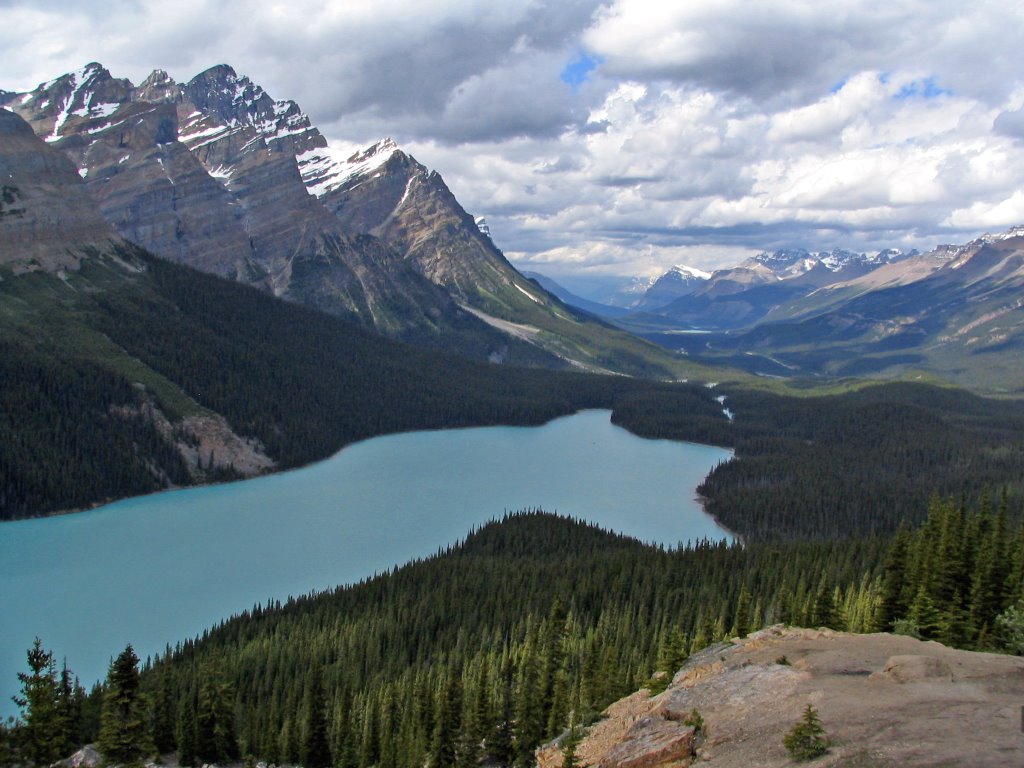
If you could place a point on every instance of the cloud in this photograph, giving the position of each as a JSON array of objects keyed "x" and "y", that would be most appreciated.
[
  {"x": 621, "y": 136},
  {"x": 1010, "y": 123},
  {"x": 796, "y": 49}
]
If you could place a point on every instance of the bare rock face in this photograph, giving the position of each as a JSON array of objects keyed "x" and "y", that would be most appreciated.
[
  {"x": 86, "y": 757},
  {"x": 390, "y": 195},
  {"x": 884, "y": 700},
  {"x": 47, "y": 220},
  {"x": 652, "y": 741},
  {"x": 912, "y": 669}
]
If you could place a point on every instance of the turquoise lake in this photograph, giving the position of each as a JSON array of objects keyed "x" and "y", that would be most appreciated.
[{"x": 157, "y": 569}]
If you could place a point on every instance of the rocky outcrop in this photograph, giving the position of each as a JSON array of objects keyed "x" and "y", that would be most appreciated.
[
  {"x": 884, "y": 700},
  {"x": 47, "y": 220},
  {"x": 86, "y": 757}
]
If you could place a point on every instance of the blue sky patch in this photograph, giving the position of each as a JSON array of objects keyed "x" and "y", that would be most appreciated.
[
  {"x": 578, "y": 70},
  {"x": 925, "y": 88}
]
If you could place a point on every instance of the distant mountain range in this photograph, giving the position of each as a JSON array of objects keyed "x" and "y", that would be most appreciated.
[
  {"x": 216, "y": 174},
  {"x": 956, "y": 311}
]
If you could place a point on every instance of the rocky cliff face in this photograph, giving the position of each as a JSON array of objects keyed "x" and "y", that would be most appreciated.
[
  {"x": 47, "y": 221},
  {"x": 204, "y": 173},
  {"x": 883, "y": 700},
  {"x": 386, "y": 193}
]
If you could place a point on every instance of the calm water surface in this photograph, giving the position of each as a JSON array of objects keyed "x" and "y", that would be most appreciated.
[{"x": 161, "y": 568}]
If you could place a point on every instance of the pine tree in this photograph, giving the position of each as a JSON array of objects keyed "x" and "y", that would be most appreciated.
[
  {"x": 124, "y": 730},
  {"x": 186, "y": 733},
  {"x": 570, "y": 744},
  {"x": 315, "y": 752},
  {"x": 500, "y": 745},
  {"x": 672, "y": 653},
  {"x": 891, "y": 605},
  {"x": 41, "y": 732},
  {"x": 164, "y": 715},
  {"x": 69, "y": 709},
  {"x": 807, "y": 740},
  {"x": 824, "y": 611},
  {"x": 741, "y": 623},
  {"x": 449, "y": 723},
  {"x": 924, "y": 615},
  {"x": 215, "y": 717}
]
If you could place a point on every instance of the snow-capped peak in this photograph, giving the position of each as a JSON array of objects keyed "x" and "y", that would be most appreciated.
[
  {"x": 481, "y": 224},
  {"x": 690, "y": 273},
  {"x": 79, "y": 96},
  {"x": 1015, "y": 231},
  {"x": 325, "y": 169}
]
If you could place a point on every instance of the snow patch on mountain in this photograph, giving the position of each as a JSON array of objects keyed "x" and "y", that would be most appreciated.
[
  {"x": 325, "y": 170},
  {"x": 690, "y": 273}
]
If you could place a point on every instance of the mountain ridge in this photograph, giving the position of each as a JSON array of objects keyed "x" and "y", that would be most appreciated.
[{"x": 216, "y": 174}]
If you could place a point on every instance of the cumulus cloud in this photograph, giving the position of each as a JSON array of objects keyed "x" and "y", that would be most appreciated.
[{"x": 623, "y": 136}]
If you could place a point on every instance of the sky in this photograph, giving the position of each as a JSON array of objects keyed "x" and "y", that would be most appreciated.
[{"x": 619, "y": 138}]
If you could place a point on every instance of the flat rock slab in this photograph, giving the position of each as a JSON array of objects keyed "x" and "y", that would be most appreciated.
[{"x": 884, "y": 701}]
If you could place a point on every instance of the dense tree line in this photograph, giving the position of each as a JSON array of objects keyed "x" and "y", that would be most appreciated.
[
  {"x": 954, "y": 578},
  {"x": 862, "y": 462},
  {"x": 484, "y": 650}
]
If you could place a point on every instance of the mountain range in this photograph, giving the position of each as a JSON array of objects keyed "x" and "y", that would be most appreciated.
[
  {"x": 215, "y": 174},
  {"x": 954, "y": 312}
]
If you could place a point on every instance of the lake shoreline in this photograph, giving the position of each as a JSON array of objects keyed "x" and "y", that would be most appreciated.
[{"x": 282, "y": 469}]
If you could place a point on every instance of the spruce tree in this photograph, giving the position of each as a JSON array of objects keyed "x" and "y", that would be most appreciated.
[
  {"x": 316, "y": 752},
  {"x": 807, "y": 740},
  {"x": 215, "y": 717},
  {"x": 41, "y": 731},
  {"x": 741, "y": 623},
  {"x": 186, "y": 733},
  {"x": 164, "y": 716},
  {"x": 124, "y": 728},
  {"x": 500, "y": 744},
  {"x": 824, "y": 611},
  {"x": 449, "y": 723},
  {"x": 891, "y": 604},
  {"x": 69, "y": 709}
]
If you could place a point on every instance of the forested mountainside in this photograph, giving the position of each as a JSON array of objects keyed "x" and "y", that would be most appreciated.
[
  {"x": 216, "y": 174},
  {"x": 486, "y": 650},
  {"x": 113, "y": 374},
  {"x": 848, "y": 464}
]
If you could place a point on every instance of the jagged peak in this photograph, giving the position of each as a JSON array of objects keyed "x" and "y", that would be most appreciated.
[
  {"x": 216, "y": 72},
  {"x": 1014, "y": 231},
  {"x": 386, "y": 146},
  {"x": 325, "y": 170},
  {"x": 158, "y": 77}
]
